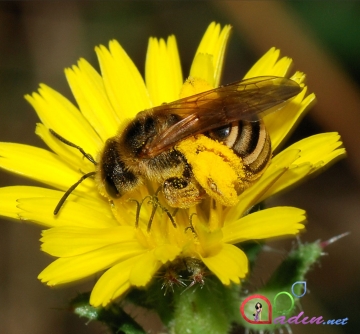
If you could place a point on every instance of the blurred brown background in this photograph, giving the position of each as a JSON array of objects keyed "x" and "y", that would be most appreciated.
[{"x": 39, "y": 39}]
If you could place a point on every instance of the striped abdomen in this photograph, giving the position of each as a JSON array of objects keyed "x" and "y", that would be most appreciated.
[{"x": 250, "y": 141}]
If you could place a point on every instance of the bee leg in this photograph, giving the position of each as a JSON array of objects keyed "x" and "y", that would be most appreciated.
[
  {"x": 156, "y": 203},
  {"x": 168, "y": 214},
  {"x": 191, "y": 227},
  {"x": 182, "y": 192},
  {"x": 154, "y": 200},
  {"x": 138, "y": 207}
]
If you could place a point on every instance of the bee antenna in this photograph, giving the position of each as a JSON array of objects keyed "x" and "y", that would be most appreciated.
[
  {"x": 70, "y": 190},
  {"x": 69, "y": 143}
]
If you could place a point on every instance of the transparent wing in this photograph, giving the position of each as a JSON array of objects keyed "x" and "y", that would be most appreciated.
[{"x": 220, "y": 106}]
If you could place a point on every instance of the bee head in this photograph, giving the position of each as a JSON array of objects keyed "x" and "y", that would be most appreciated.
[{"x": 114, "y": 176}]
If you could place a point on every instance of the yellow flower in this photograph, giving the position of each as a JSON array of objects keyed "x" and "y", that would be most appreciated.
[{"x": 90, "y": 236}]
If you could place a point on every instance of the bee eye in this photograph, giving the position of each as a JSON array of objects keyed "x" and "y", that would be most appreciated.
[
  {"x": 220, "y": 134},
  {"x": 110, "y": 187}
]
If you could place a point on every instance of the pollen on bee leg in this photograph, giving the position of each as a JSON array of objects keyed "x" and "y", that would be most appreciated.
[{"x": 215, "y": 166}]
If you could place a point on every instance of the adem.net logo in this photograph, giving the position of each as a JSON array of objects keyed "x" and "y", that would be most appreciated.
[{"x": 257, "y": 309}]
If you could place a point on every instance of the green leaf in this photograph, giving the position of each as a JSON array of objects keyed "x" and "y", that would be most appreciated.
[{"x": 114, "y": 317}]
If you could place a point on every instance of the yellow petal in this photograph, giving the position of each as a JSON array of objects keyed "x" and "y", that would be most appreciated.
[
  {"x": 265, "y": 224},
  {"x": 144, "y": 269},
  {"x": 74, "y": 240},
  {"x": 25, "y": 161},
  {"x": 291, "y": 176},
  {"x": 113, "y": 283},
  {"x": 289, "y": 167},
  {"x": 89, "y": 91},
  {"x": 213, "y": 44},
  {"x": 41, "y": 211},
  {"x": 194, "y": 86},
  {"x": 59, "y": 114},
  {"x": 210, "y": 241},
  {"x": 14, "y": 193},
  {"x": 316, "y": 148},
  {"x": 68, "y": 154},
  {"x": 166, "y": 252},
  {"x": 229, "y": 265},
  {"x": 270, "y": 64},
  {"x": 280, "y": 124},
  {"x": 65, "y": 270},
  {"x": 163, "y": 70},
  {"x": 203, "y": 68},
  {"x": 316, "y": 152},
  {"x": 255, "y": 193},
  {"x": 124, "y": 85},
  {"x": 10, "y": 195}
]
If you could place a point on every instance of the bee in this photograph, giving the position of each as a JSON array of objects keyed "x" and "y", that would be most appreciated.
[{"x": 146, "y": 148}]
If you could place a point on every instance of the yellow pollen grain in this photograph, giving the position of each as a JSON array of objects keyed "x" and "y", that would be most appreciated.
[{"x": 215, "y": 166}]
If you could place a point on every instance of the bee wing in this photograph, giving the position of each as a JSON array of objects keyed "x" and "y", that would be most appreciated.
[{"x": 220, "y": 106}]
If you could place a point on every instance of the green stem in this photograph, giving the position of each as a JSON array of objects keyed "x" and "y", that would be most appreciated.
[{"x": 210, "y": 309}]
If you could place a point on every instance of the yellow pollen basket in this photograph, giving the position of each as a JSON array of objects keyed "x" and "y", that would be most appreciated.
[{"x": 215, "y": 166}]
